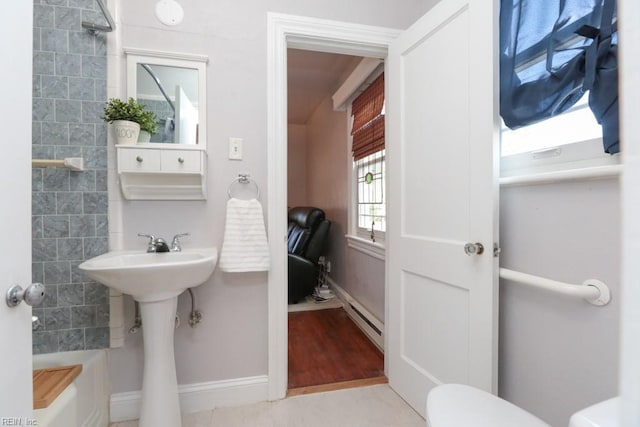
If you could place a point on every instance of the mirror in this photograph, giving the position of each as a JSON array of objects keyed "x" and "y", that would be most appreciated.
[{"x": 172, "y": 86}]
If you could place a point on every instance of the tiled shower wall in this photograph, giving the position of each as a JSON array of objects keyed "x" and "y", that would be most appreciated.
[{"x": 69, "y": 209}]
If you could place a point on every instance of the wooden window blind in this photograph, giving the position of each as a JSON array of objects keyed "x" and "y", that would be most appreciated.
[{"x": 368, "y": 120}]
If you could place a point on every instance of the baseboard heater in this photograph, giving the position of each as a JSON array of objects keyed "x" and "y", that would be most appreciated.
[{"x": 367, "y": 322}]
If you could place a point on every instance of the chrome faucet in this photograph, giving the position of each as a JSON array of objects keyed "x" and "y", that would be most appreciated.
[
  {"x": 156, "y": 244},
  {"x": 176, "y": 246}
]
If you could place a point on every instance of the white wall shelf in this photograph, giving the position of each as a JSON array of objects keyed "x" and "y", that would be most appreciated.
[{"x": 162, "y": 172}]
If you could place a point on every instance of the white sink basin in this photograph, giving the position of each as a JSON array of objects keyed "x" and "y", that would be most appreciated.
[{"x": 152, "y": 276}]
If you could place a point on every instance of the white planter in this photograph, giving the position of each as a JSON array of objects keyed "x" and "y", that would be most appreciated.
[
  {"x": 144, "y": 136},
  {"x": 126, "y": 132}
]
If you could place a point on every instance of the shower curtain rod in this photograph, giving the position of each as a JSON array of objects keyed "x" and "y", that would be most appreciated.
[
  {"x": 95, "y": 28},
  {"x": 157, "y": 81}
]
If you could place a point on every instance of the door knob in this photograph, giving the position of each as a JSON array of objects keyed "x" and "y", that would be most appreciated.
[
  {"x": 473, "y": 249},
  {"x": 33, "y": 295}
]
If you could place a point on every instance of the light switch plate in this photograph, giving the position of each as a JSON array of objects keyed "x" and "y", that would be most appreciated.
[{"x": 235, "y": 148}]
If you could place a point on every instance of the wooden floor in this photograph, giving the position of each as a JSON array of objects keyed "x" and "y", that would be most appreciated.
[{"x": 328, "y": 351}]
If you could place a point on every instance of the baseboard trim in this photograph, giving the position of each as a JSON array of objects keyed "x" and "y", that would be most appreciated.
[
  {"x": 362, "y": 317},
  {"x": 197, "y": 397}
]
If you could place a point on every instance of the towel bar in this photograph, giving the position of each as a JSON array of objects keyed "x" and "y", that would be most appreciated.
[
  {"x": 73, "y": 163},
  {"x": 243, "y": 179}
]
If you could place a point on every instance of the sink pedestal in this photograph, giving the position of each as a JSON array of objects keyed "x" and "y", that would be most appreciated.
[
  {"x": 160, "y": 401},
  {"x": 155, "y": 280}
]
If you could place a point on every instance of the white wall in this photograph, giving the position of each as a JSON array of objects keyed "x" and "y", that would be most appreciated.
[
  {"x": 558, "y": 354},
  {"x": 630, "y": 136},
  {"x": 231, "y": 342},
  {"x": 297, "y": 165},
  {"x": 365, "y": 281},
  {"x": 327, "y": 181}
]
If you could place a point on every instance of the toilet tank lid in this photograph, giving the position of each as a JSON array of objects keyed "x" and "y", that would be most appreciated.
[
  {"x": 452, "y": 405},
  {"x": 603, "y": 414}
]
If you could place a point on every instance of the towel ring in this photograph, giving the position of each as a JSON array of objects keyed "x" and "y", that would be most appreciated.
[{"x": 243, "y": 179}]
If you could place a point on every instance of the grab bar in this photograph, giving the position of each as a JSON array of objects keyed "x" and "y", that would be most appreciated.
[
  {"x": 94, "y": 28},
  {"x": 593, "y": 291}
]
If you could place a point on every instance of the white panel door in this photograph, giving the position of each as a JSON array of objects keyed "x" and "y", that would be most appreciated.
[
  {"x": 442, "y": 111},
  {"x": 15, "y": 221}
]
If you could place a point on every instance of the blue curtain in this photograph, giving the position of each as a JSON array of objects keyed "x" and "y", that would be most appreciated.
[{"x": 551, "y": 53}]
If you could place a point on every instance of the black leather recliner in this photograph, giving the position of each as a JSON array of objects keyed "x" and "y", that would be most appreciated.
[{"x": 307, "y": 233}]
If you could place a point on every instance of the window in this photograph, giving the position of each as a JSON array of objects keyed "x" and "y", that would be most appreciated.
[
  {"x": 370, "y": 175},
  {"x": 575, "y": 125},
  {"x": 569, "y": 141},
  {"x": 549, "y": 58},
  {"x": 369, "y": 161}
]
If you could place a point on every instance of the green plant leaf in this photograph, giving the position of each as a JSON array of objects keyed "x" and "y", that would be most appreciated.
[{"x": 116, "y": 109}]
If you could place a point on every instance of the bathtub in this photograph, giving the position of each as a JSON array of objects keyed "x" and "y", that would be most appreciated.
[{"x": 85, "y": 402}]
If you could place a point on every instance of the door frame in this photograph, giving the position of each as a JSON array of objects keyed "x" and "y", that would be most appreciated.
[
  {"x": 283, "y": 32},
  {"x": 16, "y": 391},
  {"x": 629, "y": 371}
]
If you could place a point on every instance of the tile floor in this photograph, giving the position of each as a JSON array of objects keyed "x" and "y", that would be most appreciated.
[{"x": 374, "y": 406}]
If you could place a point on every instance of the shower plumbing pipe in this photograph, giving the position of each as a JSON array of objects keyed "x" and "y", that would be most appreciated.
[
  {"x": 95, "y": 28},
  {"x": 593, "y": 291}
]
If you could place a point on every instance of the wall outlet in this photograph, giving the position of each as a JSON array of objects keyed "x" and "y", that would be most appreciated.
[{"x": 235, "y": 148}]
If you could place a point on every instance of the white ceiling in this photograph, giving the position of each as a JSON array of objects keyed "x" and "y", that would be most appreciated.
[{"x": 311, "y": 77}]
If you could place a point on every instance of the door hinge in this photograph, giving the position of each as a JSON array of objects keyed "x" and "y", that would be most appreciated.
[{"x": 496, "y": 250}]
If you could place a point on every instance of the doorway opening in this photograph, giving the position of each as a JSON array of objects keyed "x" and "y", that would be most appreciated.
[
  {"x": 328, "y": 346},
  {"x": 284, "y": 32}
]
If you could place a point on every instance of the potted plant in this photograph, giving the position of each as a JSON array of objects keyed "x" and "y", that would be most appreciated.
[
  {"x": 127, "y": 119},
  {"x": 148, "y": 124}
]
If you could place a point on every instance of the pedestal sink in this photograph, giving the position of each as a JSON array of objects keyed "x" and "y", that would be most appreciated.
[{"x": 155, "y": 280}]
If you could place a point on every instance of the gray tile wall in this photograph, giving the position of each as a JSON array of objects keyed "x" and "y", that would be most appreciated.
[{"x": 69, "y": 209}]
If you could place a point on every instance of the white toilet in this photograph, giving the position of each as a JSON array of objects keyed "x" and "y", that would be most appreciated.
[
  {"x": 457, "y": 405},
  {"x": 603, "y": 414}
]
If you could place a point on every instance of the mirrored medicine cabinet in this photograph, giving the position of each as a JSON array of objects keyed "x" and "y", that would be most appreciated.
[{"x": 171, "y": 164}]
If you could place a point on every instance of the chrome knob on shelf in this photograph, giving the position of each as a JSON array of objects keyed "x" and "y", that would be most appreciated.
[
  {"x": 180, "y": 159},
  {"x": 139, "y": 159}
]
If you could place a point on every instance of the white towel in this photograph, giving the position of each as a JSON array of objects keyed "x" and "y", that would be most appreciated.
[{"x": 245, "y": 241}]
